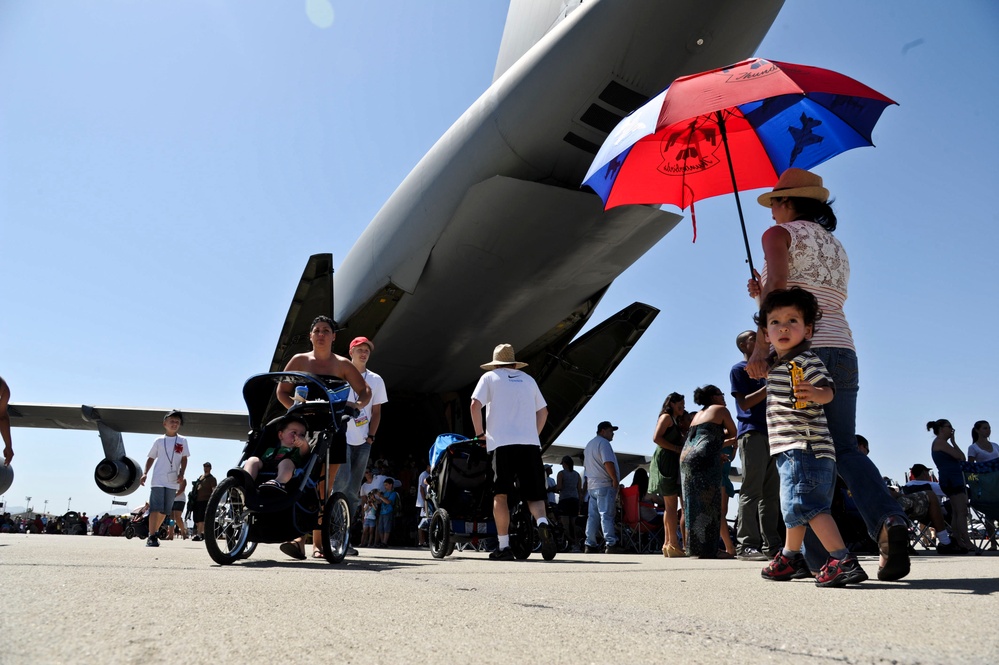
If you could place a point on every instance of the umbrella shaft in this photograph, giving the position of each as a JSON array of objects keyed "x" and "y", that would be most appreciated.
[{"x": 735, "y": 188}]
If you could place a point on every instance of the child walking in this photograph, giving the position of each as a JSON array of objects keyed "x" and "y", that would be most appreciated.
[{"x": 798, "y": 384}]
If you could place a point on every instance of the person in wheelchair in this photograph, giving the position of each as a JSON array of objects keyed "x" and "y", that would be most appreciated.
[{"x": 291, "y": 452}]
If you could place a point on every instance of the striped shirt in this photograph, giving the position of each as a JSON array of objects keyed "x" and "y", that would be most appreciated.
[
  {"x": 797, "y": 429},
  {"x": 818, "y": 263}
]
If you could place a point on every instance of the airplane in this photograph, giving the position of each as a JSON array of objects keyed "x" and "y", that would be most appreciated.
[{"x": 489, "y": 238}]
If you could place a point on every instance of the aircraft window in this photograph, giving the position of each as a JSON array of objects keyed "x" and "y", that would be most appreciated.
[{"x": 600, "y": 118}]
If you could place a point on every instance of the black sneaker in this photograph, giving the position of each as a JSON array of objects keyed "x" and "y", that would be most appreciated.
[
  {"x": 840, "y": 572},
  {"x": 950, "y": 548},
  {"x": 505, "y": 554},
  {"x": 752, "y": 554},
  {"x": 893, "y": 544},
  {"x": 152, "y": 541},
  {"x": 196, "y": 538},
  {"x": 548, "y": 546},
  {"x": 782, "y": 568},
  {"x": 615, "y": 549},
  {"x": 590, "y": 549}
]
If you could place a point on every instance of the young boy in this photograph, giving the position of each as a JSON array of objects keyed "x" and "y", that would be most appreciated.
[
  {"x": 800, "y": 440},
  {"x": 169, "y": 453},
  {"x": 387, "y": 515}
]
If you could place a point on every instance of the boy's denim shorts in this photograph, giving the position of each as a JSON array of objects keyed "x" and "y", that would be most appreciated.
[
  {"x": 161, "y": 499},
  {"x": 806, "y": 486}
]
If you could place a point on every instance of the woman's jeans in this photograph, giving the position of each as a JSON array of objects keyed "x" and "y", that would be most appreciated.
[{"x": 857, "y": 470}]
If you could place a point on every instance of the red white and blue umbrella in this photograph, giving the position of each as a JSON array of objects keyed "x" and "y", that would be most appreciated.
[{"x": 731, "y": 129}]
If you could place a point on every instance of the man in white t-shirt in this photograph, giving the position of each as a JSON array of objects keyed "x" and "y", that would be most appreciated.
[
  {"x": 360, "y": 430},
  {"x": 169, "y": 454},
  {"x": 421, "y": 503},
  {"x": 515, "y": 414}
]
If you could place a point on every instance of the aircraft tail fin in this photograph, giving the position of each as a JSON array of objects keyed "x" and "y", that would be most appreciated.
[{"x": 527, "y": 21}]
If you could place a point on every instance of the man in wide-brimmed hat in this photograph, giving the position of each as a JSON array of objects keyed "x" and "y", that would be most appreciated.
[{"x": 515, "y": 415}]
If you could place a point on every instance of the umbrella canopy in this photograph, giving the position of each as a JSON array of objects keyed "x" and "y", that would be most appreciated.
[{"x": 730, "y": 129}]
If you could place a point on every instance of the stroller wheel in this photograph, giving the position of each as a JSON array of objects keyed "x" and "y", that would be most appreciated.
[
  {"x": 129, "y": 532},
  {"x": 336, "y": 528},
  {"x": 227, "y": 528},
  {"x": 440, "y": 534}
]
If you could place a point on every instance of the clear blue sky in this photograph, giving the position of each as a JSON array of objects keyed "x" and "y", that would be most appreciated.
[{"x": 166, "y": 168}]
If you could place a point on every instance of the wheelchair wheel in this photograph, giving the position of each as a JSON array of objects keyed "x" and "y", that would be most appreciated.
[
  {"x": 248, "y": 552},
  {"x": 336, "y": 528},
  {"x": 227, "y": 528},
  {"x": 440, "y": 534}
]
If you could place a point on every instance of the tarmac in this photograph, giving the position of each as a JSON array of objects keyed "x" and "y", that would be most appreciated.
[{"x": 87, "y": 599}]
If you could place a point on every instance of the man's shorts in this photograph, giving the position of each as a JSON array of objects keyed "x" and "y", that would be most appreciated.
[
  {"x": 338, "y": 447},
  {"x": 915, "y": 505},
  {"x": 200, "y": 507},
  {"x": 521, "y": 463},
  {"x": 161, "y": 499},
  {"x": 806, "y": 486}
]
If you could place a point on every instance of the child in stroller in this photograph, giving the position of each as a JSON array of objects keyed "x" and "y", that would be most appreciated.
[
  {"x": 291, "y": 453},
  {"x": 289, "y": 450}
]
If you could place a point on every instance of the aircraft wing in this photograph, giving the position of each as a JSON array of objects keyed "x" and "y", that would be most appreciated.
[
  {"x": 208, "y": 424},
  {"x": 626, "y": 462}
]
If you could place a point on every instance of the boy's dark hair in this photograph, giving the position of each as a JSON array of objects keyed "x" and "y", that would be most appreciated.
[
  {"x": 796, "y": 297},
  {"x": 323, "y": 319}
]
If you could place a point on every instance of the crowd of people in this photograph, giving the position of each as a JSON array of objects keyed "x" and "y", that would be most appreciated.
[{"x": 794, "y": 429}]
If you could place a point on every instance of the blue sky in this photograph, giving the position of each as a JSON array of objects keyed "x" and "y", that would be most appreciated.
[{"x": 166, "y": 168}]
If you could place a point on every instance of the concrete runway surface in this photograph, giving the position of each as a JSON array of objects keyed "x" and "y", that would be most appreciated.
[{"x": 86, "y": 599}]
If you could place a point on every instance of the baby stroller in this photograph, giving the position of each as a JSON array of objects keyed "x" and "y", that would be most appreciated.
[
  {"x": 239, "y": 515},
  {"x": 460, "y": 499},
  {"x": 982, "y": 479}
]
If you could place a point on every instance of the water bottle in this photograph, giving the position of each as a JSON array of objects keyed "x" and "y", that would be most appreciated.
[{"x": 301, "y": 393}]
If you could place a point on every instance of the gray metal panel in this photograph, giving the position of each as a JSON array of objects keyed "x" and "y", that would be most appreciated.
[
  {"x": 527, "y": 21},
  {"x": 517, "y": 128},
  {"x": 515, "y": 260}
]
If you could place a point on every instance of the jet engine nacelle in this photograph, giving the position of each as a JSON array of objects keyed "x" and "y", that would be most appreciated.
[{"x": 118, "y": 477}]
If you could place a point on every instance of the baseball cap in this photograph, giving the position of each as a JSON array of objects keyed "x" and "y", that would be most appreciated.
[
  {"x": 605, "y": 425},
  {"x": 357, "y": 341}
]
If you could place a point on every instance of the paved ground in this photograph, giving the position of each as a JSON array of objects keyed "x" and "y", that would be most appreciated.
[{"x": 88, "y": 599}]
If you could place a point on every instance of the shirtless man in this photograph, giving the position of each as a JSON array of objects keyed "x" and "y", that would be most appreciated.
[
  {"x": 323, "y": 362},
  {"x": 8, "y": 449}
]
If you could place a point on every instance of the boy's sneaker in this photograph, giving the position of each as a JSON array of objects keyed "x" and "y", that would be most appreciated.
[
  {"x": 152, "y": 541},
  {"x": 782, "y": 568},
  {"x": 548, "y": 546},
  {"x": 840, "y": 572},
  {"x": 505, "y": 554}
]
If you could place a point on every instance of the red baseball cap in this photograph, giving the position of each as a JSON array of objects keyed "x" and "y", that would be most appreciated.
[{"x": 362, "y": 340}]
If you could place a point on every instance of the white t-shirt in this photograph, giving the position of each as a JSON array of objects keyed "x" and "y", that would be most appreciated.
[
  {"x": 420, "y": 499},
  {"x": 168, "y": 451},
  {"x": 512, "y": 400},
  {"x": 982, "y": 455},
  {"x": 933, "y": 486},
  {"x": 357, "y": 428}
]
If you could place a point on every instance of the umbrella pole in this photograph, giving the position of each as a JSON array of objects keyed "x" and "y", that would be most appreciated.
[{"x": 735, "y": 188}]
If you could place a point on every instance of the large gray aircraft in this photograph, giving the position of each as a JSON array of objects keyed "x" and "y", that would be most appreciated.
[{"x": 489, "y": 239}]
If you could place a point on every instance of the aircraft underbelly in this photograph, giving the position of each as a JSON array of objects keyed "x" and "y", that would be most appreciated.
[
  {"x": 544, "y": 118},
  {"x": 516, "y": 259}
]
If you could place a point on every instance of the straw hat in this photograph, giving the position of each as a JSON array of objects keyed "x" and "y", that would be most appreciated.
[
  {"x": 799, "y": 183},
  {"x": 503, "y": 357}
]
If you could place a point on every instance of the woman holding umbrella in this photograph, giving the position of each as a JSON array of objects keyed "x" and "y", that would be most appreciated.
[{"x": 800, "y": 250}]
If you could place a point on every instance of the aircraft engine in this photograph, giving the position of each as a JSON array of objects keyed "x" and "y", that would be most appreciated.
[{"x": 118, "y": 477}]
